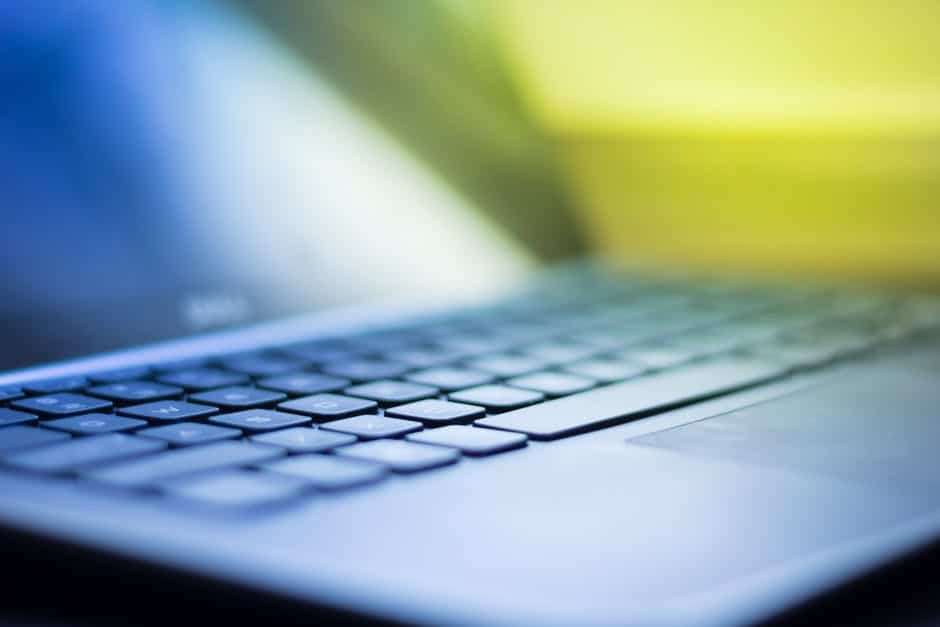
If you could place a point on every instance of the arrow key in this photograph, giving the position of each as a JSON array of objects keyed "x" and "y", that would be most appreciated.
[
  {"x": 186, "y": 433},
  {"x": 260, "y": 420},
  {"x": 166, "y": 411}
]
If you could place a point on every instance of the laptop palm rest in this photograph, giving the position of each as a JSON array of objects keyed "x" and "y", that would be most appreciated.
[
  {"x": 879, "y": 425},
  {"x": 818, "y": 470}
]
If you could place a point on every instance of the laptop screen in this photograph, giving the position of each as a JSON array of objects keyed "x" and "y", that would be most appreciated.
[{"x": 166, "y": 168}]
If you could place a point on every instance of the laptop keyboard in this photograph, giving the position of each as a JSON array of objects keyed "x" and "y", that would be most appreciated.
[{"x": 580, "y": 351}]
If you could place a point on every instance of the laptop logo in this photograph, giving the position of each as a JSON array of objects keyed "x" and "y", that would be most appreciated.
[{"x": 205, "y": 310}]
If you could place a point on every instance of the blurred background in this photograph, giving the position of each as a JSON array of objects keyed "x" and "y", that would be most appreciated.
[
  {"x": 172, "y": 166},
  {"x": 798, "y": 138},
  {"x": 795, "y": 137}
]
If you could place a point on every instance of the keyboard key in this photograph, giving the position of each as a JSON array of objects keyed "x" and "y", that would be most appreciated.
[
  {"x": 238, "y": 398},
  {"x": 507, "y": 365},
  {"x": 199, "y": 379},
  {"x": 62, "y": 404},
  {"x": 304, "y": 439},
  {"x": 19, "y": 437},
  {"x": 93, "y": 424},
  {"x": 658, "y": 357},
  {"x": 328, "y": 406},
  {"x": 623, "y": 401},
  {"x": 399, "y": 455},
  {"x": 242, "y": 489},
  {"x": 304, "y": 384},
  {"x": 475, "y": 344},
  {"x": 118, "y": 376},
  {"x": 75, "y": 454},
  {"x": 603, "y": 340},
  {"x": 384, "y": 341},
  {"x": 497, "y": 397},
  {"x": 372, "y": 427},
  {"x": 188, "y": 433},
  {"x": 471, "y": 440},
  {"x": 425, "y": 357},
  {"x": 435, "y": 411},
  {"x": 633, "y": 332},
  {"x": 366, "y": 369},
  {"x": 606, "y": 370},
  {"x": 321, "y": 352},
  {"x": 263, "y": 365},
  {"x": 12, "y": 417},
  {"x": 155, "y": 468},
  {"x": 328, "y": 472},
  {"x": 709, "y": 342},
  {"x": 10, "y": 392},
  {"x": 135, "y": 391},
  {"x": 53, "y": 386},
  {"x": 392, "y": 392},
  {"x": 451, "y": 379},
  {"x": 260, "y": 420},
  {"x": 559, "y": 353},
  {"x": 553, "y": 383},
  {"x": 168, "y": 411},
  {"x": 794, "y": 354}
]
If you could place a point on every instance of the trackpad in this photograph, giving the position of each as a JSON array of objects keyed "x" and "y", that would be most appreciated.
[{"x": 879, "y": 426}]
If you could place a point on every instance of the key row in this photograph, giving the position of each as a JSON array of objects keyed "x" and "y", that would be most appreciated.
[
  {"x": 607, "y": 354},
  {"x": 131, "y": 461},
  {"x": 592, "y": 300},
  {"x": 804, "y": 351},
  {"x": 400, "y": 358},
  {"x": 422, "y": 385},
  {"x": 340, "y": 413}
]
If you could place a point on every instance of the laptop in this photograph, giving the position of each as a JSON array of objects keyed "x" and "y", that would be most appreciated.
[{"x": 257, "y": 343}]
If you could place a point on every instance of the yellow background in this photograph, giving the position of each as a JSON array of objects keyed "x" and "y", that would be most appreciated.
[{"x": 761, "y": 136}]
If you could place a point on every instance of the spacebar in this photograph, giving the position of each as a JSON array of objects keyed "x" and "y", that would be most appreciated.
[{"x": 625, "y": 401}]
